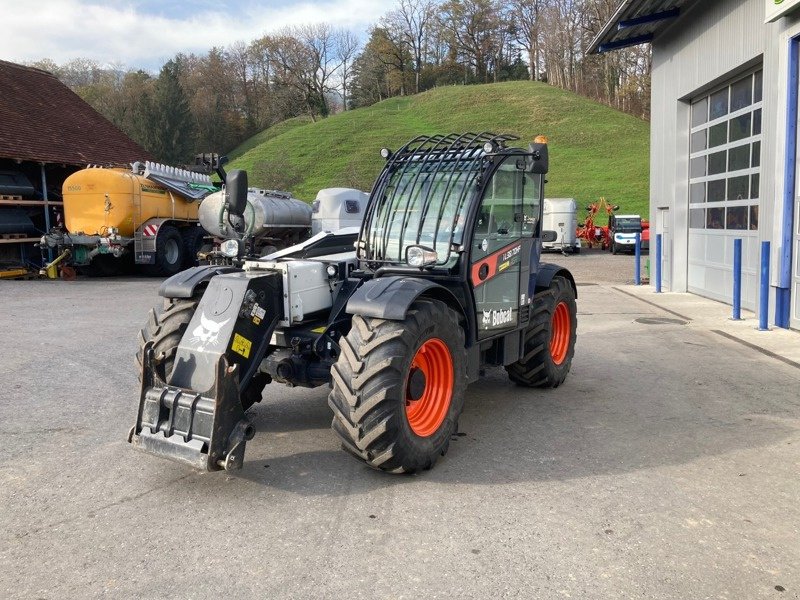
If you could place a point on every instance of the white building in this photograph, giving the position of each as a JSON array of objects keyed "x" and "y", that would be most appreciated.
[{"x": 724, "y": 148}]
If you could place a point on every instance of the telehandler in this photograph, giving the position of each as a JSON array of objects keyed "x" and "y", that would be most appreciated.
[{"x": 445, "y": 280}]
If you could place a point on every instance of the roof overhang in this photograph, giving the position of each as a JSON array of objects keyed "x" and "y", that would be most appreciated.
[{"x": 637, "y": 22}]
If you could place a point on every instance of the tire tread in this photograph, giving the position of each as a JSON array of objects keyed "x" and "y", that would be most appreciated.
[
  {"x": 368, "y": 394},
  {"x": 536, "y": 368}
]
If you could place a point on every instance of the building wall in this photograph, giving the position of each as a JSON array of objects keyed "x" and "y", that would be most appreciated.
[
  {"x": 787, "y": 29},
  {"x": 705, "y": 47}
]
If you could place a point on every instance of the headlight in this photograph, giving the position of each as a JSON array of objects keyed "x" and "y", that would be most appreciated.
[
  {"x": 230, "y": 248},
  {"x": 386, "y": 153},
  {"x": 417, "y": 256},
  {"x": 489, "y": 148},
  {"x": 331, "y": 271}
]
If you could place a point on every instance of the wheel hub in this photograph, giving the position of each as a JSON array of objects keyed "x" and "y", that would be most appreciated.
[
  {"x": 429, "y": 387},
  {"x": 171, "y": 251},
  {"x": 560, "y": 333},
  {"x": 416, "y": 384}
]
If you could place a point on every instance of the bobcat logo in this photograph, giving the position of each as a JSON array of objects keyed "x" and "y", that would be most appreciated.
[
  {"x": 487, "y": 318},
  {"x": 206, "y": 335}
]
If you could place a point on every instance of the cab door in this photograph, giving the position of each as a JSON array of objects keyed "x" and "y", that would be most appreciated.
[{"x": 502, "y": 240}]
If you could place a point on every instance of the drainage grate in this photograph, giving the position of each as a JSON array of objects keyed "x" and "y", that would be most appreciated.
[{"x": 660, "y": 321}]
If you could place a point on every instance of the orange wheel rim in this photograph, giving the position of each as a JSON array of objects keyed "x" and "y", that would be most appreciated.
[
  {"x": 431, "y": 374},
  {"x": 560, "y": 333}
]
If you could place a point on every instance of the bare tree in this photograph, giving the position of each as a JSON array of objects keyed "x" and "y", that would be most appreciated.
[
  {"x": 414, "y": 19},
  {"x": 304, "y": 58},
  {"x": 395, "y": 50},
  {"x": 239, "y": 61},
  {"x": 320, "y": 43},
  {"x": 525, "y": 14},
  {"x": 473, "y": 25},
  {"x": 561, "y": 35},
  {"x": 347, "y": 46}
]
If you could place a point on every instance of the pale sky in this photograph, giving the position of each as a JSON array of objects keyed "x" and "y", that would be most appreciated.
[{"x": 147, "y": 33}]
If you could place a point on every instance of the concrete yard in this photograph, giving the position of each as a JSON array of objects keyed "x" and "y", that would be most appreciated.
[{"x": 667, "y": 466}]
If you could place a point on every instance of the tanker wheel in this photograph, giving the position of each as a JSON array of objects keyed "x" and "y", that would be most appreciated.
[
  {"x": 398, "y": 387},
  {"x": 549, "y": 339},
  {"x": 165, "y": 328},
  {"x": 192, "y": 244},
  {"x": 169, "y": 252}
]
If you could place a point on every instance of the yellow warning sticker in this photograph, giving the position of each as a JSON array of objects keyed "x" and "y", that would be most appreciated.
[
  {"x": 319, "y": 329},
  {"x": 241, "y": 345},
  {"x": 504, "y": 266}
]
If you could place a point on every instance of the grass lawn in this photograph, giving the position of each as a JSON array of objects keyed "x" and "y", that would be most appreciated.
[{"x": 594, "y": 150}]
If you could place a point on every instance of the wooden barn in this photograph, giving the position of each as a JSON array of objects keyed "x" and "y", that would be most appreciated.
[{"x": 47, "y": 132}]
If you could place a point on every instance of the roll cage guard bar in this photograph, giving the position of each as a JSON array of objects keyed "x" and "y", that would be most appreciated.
[{"x": 448, "y": 155}]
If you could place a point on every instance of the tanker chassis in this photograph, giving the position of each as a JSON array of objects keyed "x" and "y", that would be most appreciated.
[
  {"x": 147, "y": 212},
  {"x": 164, "y": 219}
]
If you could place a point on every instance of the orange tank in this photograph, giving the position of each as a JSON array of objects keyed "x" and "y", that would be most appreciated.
[{"x": 96, "y": 199}]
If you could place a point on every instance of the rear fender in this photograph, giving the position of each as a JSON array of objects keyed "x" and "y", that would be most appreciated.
[
  {"x": 391, "y": 297},
  {"x": 545, "y": 275},
  {"x": 145, "y": 249}
]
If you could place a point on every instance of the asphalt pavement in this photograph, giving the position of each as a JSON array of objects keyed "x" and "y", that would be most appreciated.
[{"x": 665, "y": 467}]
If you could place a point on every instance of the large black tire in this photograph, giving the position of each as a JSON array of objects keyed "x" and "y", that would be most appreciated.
[
  {"x": 549, "y": 339},
  {"x": 169, "y": 253},
  {"x": 385, "y": 410},
  {"x": 166, "y": 328},
  {"x": 192, "y": 244}
]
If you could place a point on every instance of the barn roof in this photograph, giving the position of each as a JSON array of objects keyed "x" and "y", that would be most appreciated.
[
  {"x": 42, "y": 120},
  {"x": 638, "y": 22}
]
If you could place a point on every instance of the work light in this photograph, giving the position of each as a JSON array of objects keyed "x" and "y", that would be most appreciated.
[
  {"x": 230, "y": 248},
  {"x": 419, "y": 256}
]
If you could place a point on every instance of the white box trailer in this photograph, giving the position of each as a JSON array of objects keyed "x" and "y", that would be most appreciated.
[
  {"x": 561, "y": 215},
  {"x": 337, "y": 208}
]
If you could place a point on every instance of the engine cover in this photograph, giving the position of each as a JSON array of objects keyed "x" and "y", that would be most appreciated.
[{"x": 307, "y": 286}]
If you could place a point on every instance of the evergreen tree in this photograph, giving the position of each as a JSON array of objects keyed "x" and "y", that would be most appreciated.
[{"x": 172, "y": 129}]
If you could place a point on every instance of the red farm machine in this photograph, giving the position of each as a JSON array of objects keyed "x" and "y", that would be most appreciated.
[{"x": 596, "y": 235}]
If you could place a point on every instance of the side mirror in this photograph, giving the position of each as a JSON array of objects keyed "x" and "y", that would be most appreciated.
[
  {"x": 538, "y": 162},
  {"x": 548, "y": 235},
  {"x": 236, "y": 192}
]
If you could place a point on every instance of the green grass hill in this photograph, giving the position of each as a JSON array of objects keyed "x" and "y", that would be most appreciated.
[{"x": 594, "y": 150}]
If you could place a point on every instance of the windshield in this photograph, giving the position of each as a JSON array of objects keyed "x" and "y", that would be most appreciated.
[
  {"x": 423, "y": 203},
  {"x": 628, "y": 224}
]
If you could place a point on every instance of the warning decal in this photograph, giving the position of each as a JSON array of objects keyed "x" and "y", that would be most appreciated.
[{"x": 241, "y": 345}]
